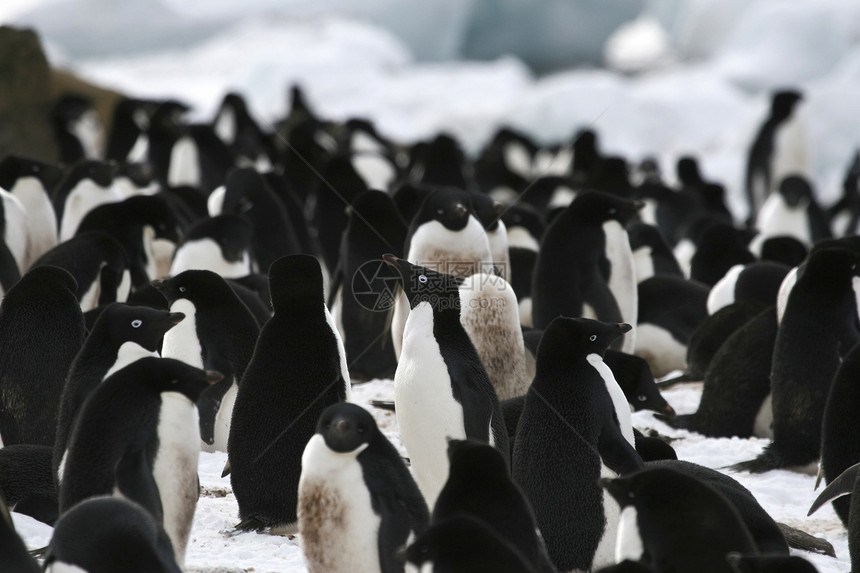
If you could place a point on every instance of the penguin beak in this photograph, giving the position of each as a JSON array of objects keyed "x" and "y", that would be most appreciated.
[
  {"x": 390, "y": 260},
  {"x": 638, "y": 205},
  {"x": 460, "y": 209},
  {"x": 175, "y": 317},
  {"x": 669, "y": 411},
  {"x": 624, "y": 327},
  {"x": 158, "y": 284},
  {"x": 213, "y": 377}
]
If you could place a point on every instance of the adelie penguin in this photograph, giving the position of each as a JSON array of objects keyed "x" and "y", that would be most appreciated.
[
  {"x": 819, "y": 324},
  {"x": 480, "y": 485},
  {"x": 567, "y": 438},
  {"x": 780, "y": 148},
  {"x": 362, "y": 302},
  {"x": 137, "y": 435},
  {"x": 446, "y": 234},
  {"x": 283, "y": 394},
  {"x": 98, "y": 264},
  {"x": 85, "y": 186},
  {"x": 31, "y": 182},
  {"x": 655, "y": 501},
  {"x": 792, "y": 211},
  {"x": 525, "y": 228},
  {"x": 357, "y": 502},
  {"x": 107, "y": 534},
  {"x": 759, "y": 281},
  {"x": 120, "y": 335},
  {"x": 441, "y": 389},
  {"x": 597, "y": 278},
  {"x": 41, "y": 331},
  {"x": 218, "y": 333},
  {"x": 77, "y": 127},
  {"x": 13, "y": 241},
  {"x": 221, "y": 244}
]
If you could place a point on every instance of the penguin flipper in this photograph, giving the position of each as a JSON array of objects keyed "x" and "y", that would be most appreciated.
[
  {"x": 842, "y": 485},
  {"x": 679, "y": 379},
  {"x": 798, "y": 539}
]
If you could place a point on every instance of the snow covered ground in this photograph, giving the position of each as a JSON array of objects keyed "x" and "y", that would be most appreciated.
[{"x": 214, "y": 547}]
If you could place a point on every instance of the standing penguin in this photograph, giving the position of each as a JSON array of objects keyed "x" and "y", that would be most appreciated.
[
  {"x": 358, "y": 504},
  {"x": 78, "y": 129},
  {"x": 489, "y": 213},
  {"x": 136, "y": 223},
  {"x": 655, "y": 501},
  {"x": 490, "y": 315},
  {"x": 362, "y": 303},
  {"x": 221, "y": 244},
  {"x": 779, "y": 149},
  {"x": 86, "y": 185},
  {"x": 587, "y": 236},
  {"x": 137, "y": 434},
  {"x": 107, "y": 534},
  {"x": 525, "y": 228},
  {"x": 31, "y": 182},
  {"x": 444, "y": 233},
  {"x": 121, "y": 334},
  {"x": 441, "y": 389},
  {"x": 98, "y": 263},
  {"x": 282, "y": 395},
  {"x": 480, "y": 485},
  {"x": 41, "y": 331},
  {"x": 792, "y": 211},
  {"x": 219, "y": 334},
  {"x": 819, "y": 323},
  {"x": 569, "y": 436}
]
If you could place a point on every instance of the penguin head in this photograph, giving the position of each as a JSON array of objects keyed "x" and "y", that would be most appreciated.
[
  {"x": 13, "y": 167},
  {"x": 143, "y": 325},
  {"x": 621, "y": 489},
  {"x": 597, "y": 207},
  {"x": 232, "y": 233},
  {"x": 295, "y": 282},
  {"x": 831, "y": 263},
  {"x": 148, "y": 210},
  {"x": 577, "y": 337},
  {"x": 688, "y": 171},
  {"x": 44, "y": 279},
  {"x": 421, "y": 284},
  {"x": 488, "y": 211},
  {"x": 473, "y": 458},
  {"x": 525, "y": 216},
  {"x": 99, "y": 172},
  {"x": 448, "y": 206},
  {"x": 795, "y": 189},
  {"x": 440, "y": 162},
  {"x": 169, "y": 375},
  {"x": 198, "y": 286},
  {"x": 141, "y": 174},
  {"x": 346, "y": 428},
  {"x": 783, "y": 103},
  {"x": 243, "y": 188}
]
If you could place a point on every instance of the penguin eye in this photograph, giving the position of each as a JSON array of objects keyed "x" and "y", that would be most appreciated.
[
  {"x": 182, "y": 289},
  {"x": 422, "y": 278},
  {"x": 641, "y": 398},
  {"x": 612, "y": 210},
  {"x": 136, "y": 323},
  {"x": 175, "y": 381},
  {"x": 440, "y": 211},
  {"x": 35, "y": 169},
  {"x": 593, "y": 337}
]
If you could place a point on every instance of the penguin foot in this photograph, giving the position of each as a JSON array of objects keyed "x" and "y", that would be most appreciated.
[
  {"x": 798, "y": 539},
  {"x": 765, "y": 462},
  {"x": 251, "y": 524},
  {"x": 39, "y": 553}
]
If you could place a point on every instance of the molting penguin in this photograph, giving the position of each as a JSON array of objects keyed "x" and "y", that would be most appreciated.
[
  {"x": 107, "y": 534},
  {"x": 597, "y": 279},
  {"x": 219, "y": 334},
  {"x": 86, "y": 185},
  {"x": 137, "y": 435},
  {"x": 31, "y": 182},
  {"x": 275, "y": 413},
  {"x": 441, "y": 389},
  {"x": 98, "y": 264},
  {"x": 779, "y": 149},
  {"x": 358, "y": 504},
  {"x": 120, "y": 335},
  {"x": 41, "y": 330},
  {"x": 569, "y": 436},
  {"x": 445, "y": 234},
  {"x": 819, "y": 323},
  {"x": 221, "y": 244},
  {"x": 479, "y": 485},
  {"x": 362, "y": 303},
  {"x": 490, "y": 315},
  {"x": 652, "y": 501},
  {"x": 137, "y": 224}
]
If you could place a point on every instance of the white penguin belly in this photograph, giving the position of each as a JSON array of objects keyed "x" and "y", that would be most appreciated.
[
  {"x": 723, "y": 293},
  {"x": 205, "y": 254},
  {"x": 175, "y": 467},
  {"x": 784, "y": 291},
  {"x": 42, "y": 222},
  {"x": 777, "y": 219},
  {"x": 619, "y": 400},
  {"x": 90, "y": 299},
  {"x": 643, "y": 263},
  {"x": 17, "y": 232},
  {"x": 622, "y": 279},
  {"x": 341, "y": 351},
  {"x": 629, "y": 545},
  {"x": 81, "y": 200},
  {"x": 337, "y": 523},
  {"x": 684, "y": 251},
  {"x": 763, "y": 426},
  {"x": 222, "y": 421},
  {"x": 181, "y": 342},
  {"x": 605, "y": 553},
  {"x": 426, "y": 410},
  {"x": 663, "y": 353},
  {"x": 184, "y": 168}
]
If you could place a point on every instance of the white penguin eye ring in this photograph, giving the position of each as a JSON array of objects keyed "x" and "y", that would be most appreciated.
[
  {"x": 593, "y": 337},
  {"x": 136, "y": 323},
  {"x": 422, "y": 279}
]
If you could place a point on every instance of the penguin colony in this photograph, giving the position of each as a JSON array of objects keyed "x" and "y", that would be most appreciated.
[{"x": 176, "y": 287}]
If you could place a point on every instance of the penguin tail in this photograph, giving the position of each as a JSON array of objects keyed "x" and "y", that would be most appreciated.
[
  {"x": 39, "y": 553},
  {"x": 679, "y": 379},
  {"x": 766, "y": 461},
  {"x": 798, "y": 539},
  {"x": 684, "y": 422}
]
